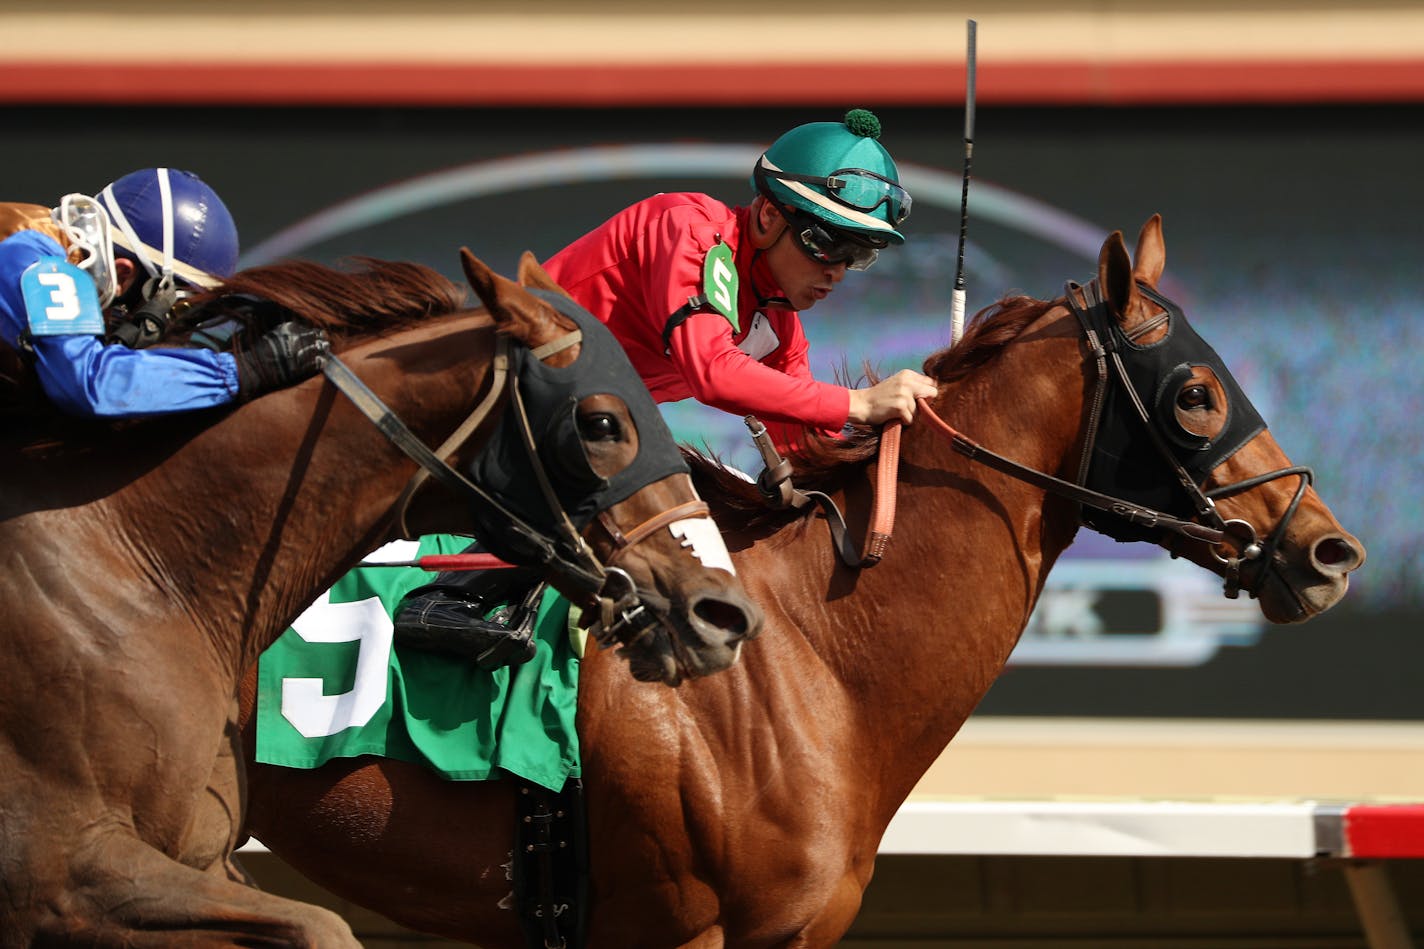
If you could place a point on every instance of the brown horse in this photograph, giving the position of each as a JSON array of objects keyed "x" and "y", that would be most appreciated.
[
  {"x": 147, "y": 564},
  {"x": 746, "y": 809}
]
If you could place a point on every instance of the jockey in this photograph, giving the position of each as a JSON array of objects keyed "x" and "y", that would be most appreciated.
[
  {"x": 84, "y": 285},
  {"x": 705, "y": 299}
]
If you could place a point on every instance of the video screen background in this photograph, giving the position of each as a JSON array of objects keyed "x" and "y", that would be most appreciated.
[{"x": 1292, "y": 239}]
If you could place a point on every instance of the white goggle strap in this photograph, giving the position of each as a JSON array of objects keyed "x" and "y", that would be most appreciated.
[
  {"x": 139, "y": 248},
  {"x": 868, "y": 221},
  {"x": 131, "y": 239}
]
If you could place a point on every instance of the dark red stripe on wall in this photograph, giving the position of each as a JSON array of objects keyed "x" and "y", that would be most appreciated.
[{"x": 1066, "y": 83}]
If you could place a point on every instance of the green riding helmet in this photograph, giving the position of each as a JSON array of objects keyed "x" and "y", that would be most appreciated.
[{"x": 840, "y": 174}]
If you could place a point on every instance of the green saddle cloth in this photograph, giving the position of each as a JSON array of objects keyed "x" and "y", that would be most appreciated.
[{"x": 333, "y": 686}]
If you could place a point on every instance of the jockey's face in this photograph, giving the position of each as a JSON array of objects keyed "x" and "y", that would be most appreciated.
[{"x": 804, "y": 281}]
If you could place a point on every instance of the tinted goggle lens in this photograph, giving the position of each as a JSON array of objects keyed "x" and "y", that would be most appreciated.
[
  {"x": 825, "y": 248},
  {"x": 865, "y": 191}
]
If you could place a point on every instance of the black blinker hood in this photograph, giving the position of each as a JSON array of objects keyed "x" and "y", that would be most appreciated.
[
  {"x": 551, "y": 395},
  {"x": 1127, "y": 461}
]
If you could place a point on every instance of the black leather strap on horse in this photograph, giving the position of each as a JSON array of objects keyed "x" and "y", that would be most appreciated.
[
  {"x": 572, "y": 538},
  {"x": 1133, "y": 513},
  {"x": 550, "y": 865},
  {"x": 499, "y": 373},
  {"x": 371, "y": 406},
  {"x": 774, "y": 482}
]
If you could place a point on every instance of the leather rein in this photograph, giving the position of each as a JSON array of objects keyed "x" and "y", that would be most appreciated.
[
  {"x": 622, "y": 614},
  {"x": 776, "y": 486}
]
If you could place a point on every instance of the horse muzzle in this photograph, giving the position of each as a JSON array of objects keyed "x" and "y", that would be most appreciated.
[{"x": 668, "y": 642}]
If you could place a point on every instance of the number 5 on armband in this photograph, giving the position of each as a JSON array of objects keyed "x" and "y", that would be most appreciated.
[{"x": 60, "y": 299}]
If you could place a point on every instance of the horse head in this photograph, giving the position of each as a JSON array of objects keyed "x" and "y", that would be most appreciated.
[
  {"x": 584, "y": 444},
  {"x": 1179, "y": 434}
]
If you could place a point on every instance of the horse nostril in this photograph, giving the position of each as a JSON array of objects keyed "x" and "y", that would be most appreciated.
[
  {"x": 1336, "y": 555},
  {"x": 724, "y": 615}
]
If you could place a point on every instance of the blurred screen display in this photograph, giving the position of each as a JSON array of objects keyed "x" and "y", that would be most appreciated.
[{"x": 1292, "y": 244}]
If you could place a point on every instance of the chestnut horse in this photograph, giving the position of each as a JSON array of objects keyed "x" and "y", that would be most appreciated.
[
  {"x": 746, "y": 809},
  {"x": 149, "y": 563}
]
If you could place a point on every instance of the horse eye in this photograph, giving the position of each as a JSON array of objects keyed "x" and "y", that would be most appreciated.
[
  {"x": 1194, "y": 397},
  {"x": 600, "y": 426}
]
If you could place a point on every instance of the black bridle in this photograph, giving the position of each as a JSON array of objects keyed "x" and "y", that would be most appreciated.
[
  {"x": 1143, "y": 374},
  {"x": 525, "y": 518},
  {"x": 1104, "y": 505}
]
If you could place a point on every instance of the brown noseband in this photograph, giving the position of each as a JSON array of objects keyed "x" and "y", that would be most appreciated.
[{"x": 623, "y": 542}]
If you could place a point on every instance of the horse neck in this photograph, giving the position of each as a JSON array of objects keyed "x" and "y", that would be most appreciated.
[
  {"x": 314, "y": 480},
  {"x": 925, "y": 632}
]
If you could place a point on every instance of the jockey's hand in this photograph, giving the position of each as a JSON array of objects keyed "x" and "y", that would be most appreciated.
[
  {"x": 891, "y": 398},
  {"x": 286, "y": 354}
]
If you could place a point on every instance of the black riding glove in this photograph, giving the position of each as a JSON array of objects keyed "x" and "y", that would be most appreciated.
[{"x": 286, "y": 354}]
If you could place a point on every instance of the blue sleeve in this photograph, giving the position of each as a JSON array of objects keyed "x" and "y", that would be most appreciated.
[
  {"x": 17, "y": 253},
  {"x": 84, "y": 377}
]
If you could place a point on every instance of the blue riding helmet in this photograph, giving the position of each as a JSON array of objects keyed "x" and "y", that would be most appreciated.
[{"x": 173, "y": 224}]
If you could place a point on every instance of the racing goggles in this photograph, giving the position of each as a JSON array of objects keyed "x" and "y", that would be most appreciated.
[
  {"x": 859, "y": 189},
  {"x": 86, "y": 227},
  {"x": 827, "y": 246}
]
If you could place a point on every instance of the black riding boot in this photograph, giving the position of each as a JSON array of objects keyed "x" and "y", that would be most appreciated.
[{"x": 448, "y": 616}]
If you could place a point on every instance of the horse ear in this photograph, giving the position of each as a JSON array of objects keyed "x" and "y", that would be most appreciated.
[
  {"x": 516, "y": 312},
  {"x": 481, "y": 278},
  {"x": 1115, "y": 278},
  {"x": 1151, "y": 257},
  {"x": 532, "y": 274}
]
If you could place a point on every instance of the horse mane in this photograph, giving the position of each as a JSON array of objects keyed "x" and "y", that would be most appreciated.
[
  {"x": 991, "y": 329},
  {"x": 824, "y": 462},
  {"x": 366, "y": 296}
]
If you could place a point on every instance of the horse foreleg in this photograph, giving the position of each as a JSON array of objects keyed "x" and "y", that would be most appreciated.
[{"x": 126, "y": 894}]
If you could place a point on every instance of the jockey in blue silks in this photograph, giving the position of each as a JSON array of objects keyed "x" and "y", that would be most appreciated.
[{"x": 142, "y": 244}]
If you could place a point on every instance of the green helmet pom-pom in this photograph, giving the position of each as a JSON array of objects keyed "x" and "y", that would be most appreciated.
[{"x": 863, "y": 123}]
